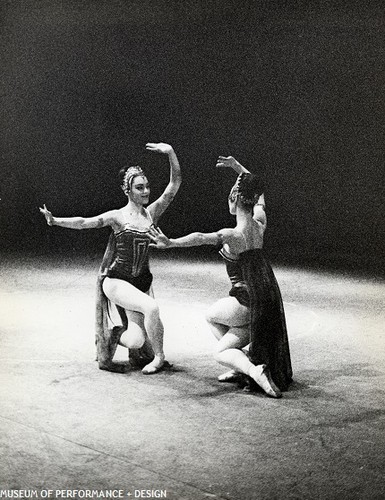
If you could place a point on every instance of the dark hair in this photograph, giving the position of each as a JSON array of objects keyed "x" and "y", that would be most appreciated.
[{"x": 250, "y": 188}]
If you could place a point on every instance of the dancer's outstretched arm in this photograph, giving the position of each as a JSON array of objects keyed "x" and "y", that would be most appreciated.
[
  {"x": 102, "y": 220},
  {"x": 230, "y": 236}
]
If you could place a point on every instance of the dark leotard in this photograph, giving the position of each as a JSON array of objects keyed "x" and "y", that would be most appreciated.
[
  {"x": 131, "y": 257},
  {"x": 239, "y": 288}
]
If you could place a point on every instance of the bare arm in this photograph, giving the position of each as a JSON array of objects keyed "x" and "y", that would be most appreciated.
[
  {"x": 103, "y": 220},
  {"x": 259, "y": 214},
  {"x": 196, "y": 239},
  {"x": 157, "y": 208}
]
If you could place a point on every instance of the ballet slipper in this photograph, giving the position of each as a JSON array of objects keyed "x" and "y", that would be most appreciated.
[
  {"x": 156, "y": 364},
  {"x": 230, "y": 376},
  {"x": 260, "y": 374}
]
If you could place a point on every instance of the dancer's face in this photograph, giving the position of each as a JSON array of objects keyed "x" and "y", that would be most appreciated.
[{"x": 140, "y": 190}]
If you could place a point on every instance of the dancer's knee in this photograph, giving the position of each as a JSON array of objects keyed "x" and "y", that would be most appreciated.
[
  {"x": 211, "y": 317},
  {"x": 136, "y": 341},
  {"x": 133, "y": 337}
]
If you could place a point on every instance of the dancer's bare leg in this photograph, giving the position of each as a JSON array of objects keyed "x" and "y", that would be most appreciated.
[
  {"x": 229, "y": 353},
  {"x": 126, "y": 295},
  {"x": 223, "y": 315}
]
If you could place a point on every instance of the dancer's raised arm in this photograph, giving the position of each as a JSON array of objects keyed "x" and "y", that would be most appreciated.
[
  {"x": 259, "y": 214},
  {"x": 231, "y": 162},
  {"x": 157, "y": 208}
]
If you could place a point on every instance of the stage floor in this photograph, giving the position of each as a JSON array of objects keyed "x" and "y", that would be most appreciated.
[{"x": 180, "y": 433}]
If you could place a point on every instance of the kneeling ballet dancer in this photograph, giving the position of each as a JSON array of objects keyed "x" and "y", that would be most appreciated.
[
  {"x": 252, "y": 316},
  {"x": 124, "y": 277}
]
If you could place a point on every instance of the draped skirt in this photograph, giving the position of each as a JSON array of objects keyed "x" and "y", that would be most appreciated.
[{"x": 268, "y": 333}]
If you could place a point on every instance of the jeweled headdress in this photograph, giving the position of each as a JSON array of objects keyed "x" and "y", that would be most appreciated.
[{"x": 129, "y": 176}]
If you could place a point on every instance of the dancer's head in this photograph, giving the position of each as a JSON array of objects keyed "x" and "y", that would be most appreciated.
[
  {"x": 245, "y": 192},
  {"x": 135, "y": 184}
]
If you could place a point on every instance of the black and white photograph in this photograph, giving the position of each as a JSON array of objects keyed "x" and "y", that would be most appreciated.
[{"x": 192, "y": 294}]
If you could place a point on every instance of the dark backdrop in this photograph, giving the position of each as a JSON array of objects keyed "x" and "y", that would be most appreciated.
[{"x": 294, "y": 90}]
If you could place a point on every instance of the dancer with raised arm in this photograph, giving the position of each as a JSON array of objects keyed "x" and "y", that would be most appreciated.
[
  {"x": 124, "y": 277},
  {"x": 253, "y": 314}
]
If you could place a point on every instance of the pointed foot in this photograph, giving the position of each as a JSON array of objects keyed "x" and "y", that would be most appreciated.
[
  {"x": 260, "y": 374},
  {"x": 230, "y": 376}
]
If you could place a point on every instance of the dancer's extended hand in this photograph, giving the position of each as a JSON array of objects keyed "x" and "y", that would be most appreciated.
[
  {"x": 159, "y": 239},
  {"x": 47, "y": 214},
  {"x": 159, "y": 147},
  {"x": 228, "y": 162}
]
